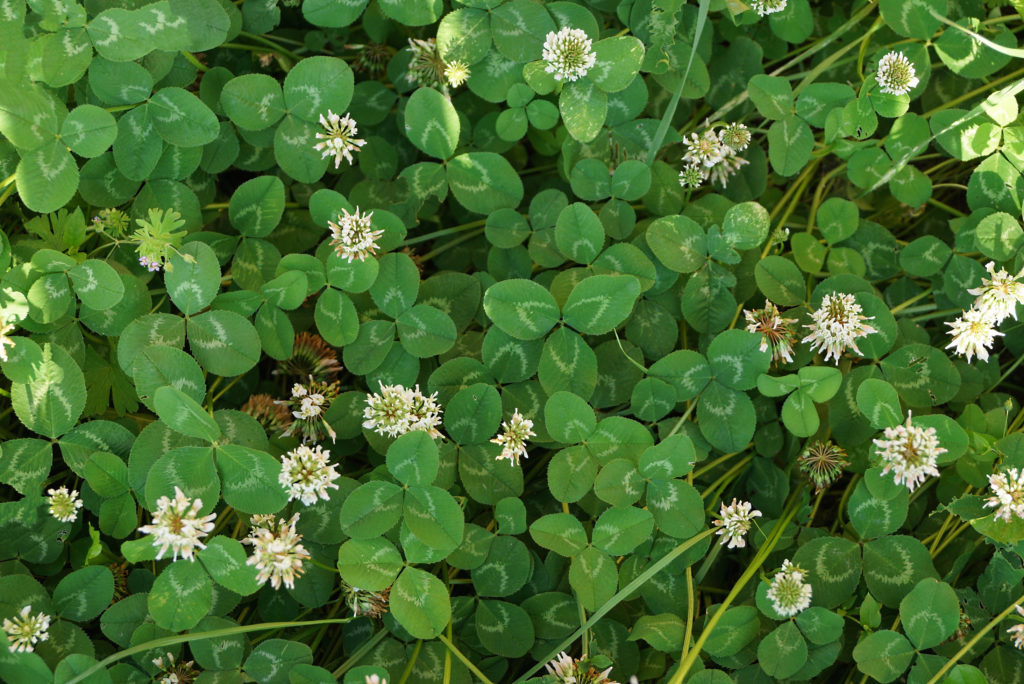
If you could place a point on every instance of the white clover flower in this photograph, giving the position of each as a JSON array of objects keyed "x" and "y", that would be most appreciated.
[
  {"x": 1018, "y": 630},
  {"x": 568, "y": 54},
  {"x": 973, "y": 334},
  {"x": 896, "y": 74},
  {"x": 837, "y": 325},
  {"x": 788, "y": 591},
  {"x": 308, "y": 405},
  {"x": 175, "y": 672},
  {"x": 396, "y": 410},
  {"x": 425, "y": 413},
  {"x": 178, "y": 526},
  {"x": 375, "y": 679},
  {"x": 340, "y": 140},
  {"x": 353, "y": 236},
  {"x": 456, "y": 73},
  {"x": 561, "y": 667},
  {"x": 693, "y": 175},
  {"x": 1008, "y": 490},
  {"x": 388, "y": 412},
  {"x": 706, "y": 149},
  {"x": 512, "y": 439},
  {"x": 736, "y": 519},
  {"x": 910, "y": 453},
  {"x": 998, "y": 296},
  {"x": 735, "y": 136},
  {"x": 25, "y": 631},
  {"x": 776, "y": 332},
  {"x": 568, "y": 670},
  {"x": 64, "y": 505},
  {"x": 766, "y": 7},
  {"x": 307, "y": 474},
  {"x": 728, "y": 167},
  {"x": 277, "y": 553}
]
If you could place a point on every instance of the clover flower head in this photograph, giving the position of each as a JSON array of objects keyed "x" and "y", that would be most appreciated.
[
  {"x": 973, "y": 334},
  {"x": 26, "y": 630},
  {"x": 910, "y": 453},
  {"x": 728, "y": 167},
  {"x": 735, "y": 521},
  {"x": 340, "y": 140},
  {"x": 776, "y": 332},
  {"x": 735, "y": 136},
  {"x": 371, "y": 604},
  {"x": 788, "y": 591},
  {"x": 307, "y": 474},
  {"x": 311, "y": 357},
  {"x": 568, "y": 54},
  {"x": 822, "y": 463},
  {"x": 374, "y": 679},
  {"x": 308, "y": 406},
  {"x": 896, "y": 74},
  {"x": 456, "y": 73},
  {"x": 353, "y": 236},
  {"x": 1007, "y": 494},
  {"x": 388, "y": 412},
  {"x": 181, "y": 672},
  {"x": 706, "y": 148},
  {"x": 425, "y": 413},
  {"x": 1017, "y": 631},
  {"x": 64, "y": 505},
  {"x": 372, "y": 58},
  {"x": 766, "y": 7},
  {"x": 515, "y": 432},
  {"x": 693, "y": 175},
  {"x": 396, "y": 410},
  {"x": 277, "y": 553},
  {"x": 998, "y": 296},
  {"x": 270, "y": 414},
  {"x": 837, "y": 324},
  {"x": 568, "y": 670},
  {"x": 426, "y": 66},
  {"x": 177, "y": 525}
]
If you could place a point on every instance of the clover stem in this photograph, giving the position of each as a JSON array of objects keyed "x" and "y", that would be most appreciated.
[
  {"x": 448, "y": 245},
  {"x": 975, "y": 639},
  {"x": 465, "y": 661},
  {"x": 441, "y": 233},
  {"x": 687, "y": 661},
  {"x": 900, "y": 307},
  {"x": 412, "y": 661}
]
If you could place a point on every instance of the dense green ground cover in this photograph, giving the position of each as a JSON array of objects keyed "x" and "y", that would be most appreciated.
[{"x": 429, "y": 341}]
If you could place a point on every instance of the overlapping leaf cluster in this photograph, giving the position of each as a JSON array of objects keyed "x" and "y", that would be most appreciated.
[{"x": 536, "y": 262}]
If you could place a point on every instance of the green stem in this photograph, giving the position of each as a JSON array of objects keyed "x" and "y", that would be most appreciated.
[
  {"x": 271, "y": 44},
  {"x": 196, "y": 636},
  {"x": 448, "y": 245},
  {"x": 412, "y": 661},
  {"x": 191, "y": 59},
  {"x": 441, "y": 233},
  {"x": 938, "y": 677},
  {"x": 641, "y": 579},
  {"x": 363, "y": 649},
  {"x": 465, "y": 661},
  {"x": 774, "y": 536},
  {"x": 1005, "y": 375},
  {"x": 670, "y": 111},
  {"x": 903, "y": 305}
]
